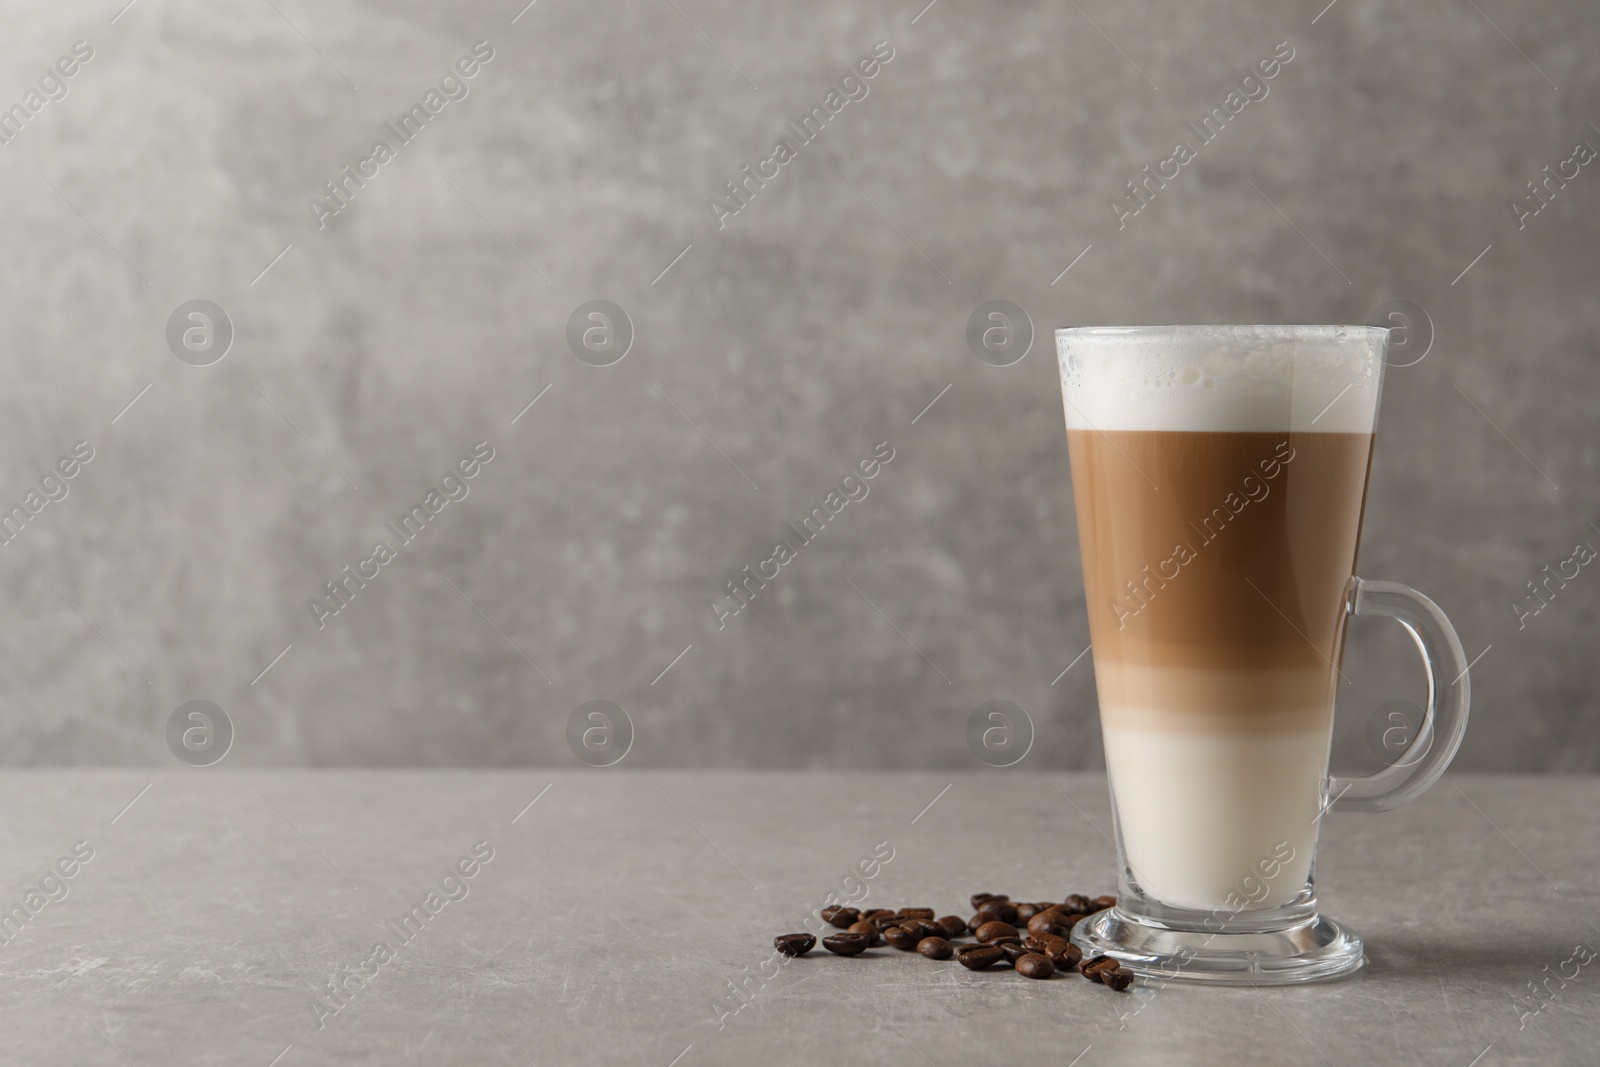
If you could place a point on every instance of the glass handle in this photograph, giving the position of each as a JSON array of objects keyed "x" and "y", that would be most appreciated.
[{"x": 1444, "y": 722}]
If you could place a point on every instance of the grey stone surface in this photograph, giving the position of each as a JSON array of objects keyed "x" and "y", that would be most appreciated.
[
  {"x": 617, "y": 910},
  {"x": 779, "y": 348}
]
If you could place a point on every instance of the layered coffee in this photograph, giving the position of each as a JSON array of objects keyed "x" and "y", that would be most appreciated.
[{"x": 1219, "y": 493}]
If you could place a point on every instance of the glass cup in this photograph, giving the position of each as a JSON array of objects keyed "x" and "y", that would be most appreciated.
[{"x": 1219, "y": 475}]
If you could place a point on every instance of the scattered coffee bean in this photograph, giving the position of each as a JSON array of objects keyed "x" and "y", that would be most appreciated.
[
  {"x": 953, "y": 925},
  {"x": 794, "y": 944},
  {"x": 917, "y": 913},
  {"x": 977, "y": 957},
  {"x": 841, "y": 917},
  {"x": 1049, "y": 922},
  {"x": 1035, "y": 966},
  {"x": 1069, "y": 957},
  {"x": 867, "y": 930},
  {"x": 1094, "y": 968},
  {"x": 1028, "y": 911},
  {"x": 903, "y": 938},
  {"x": 993, "y": 929},
  {"x": 1119, "y": 980},
  {"x": 935, "y": 948},
  {"x": 883, "y": 922},
  {"x": 845, "y": 944},
  {"x": 1012, "y": 952},
  {"x": 1047, "y": 945},
  {"x": 1079, "y": 904},
  {"x": 869, "y": 916},
  {"x": 978, "y": 899},
  {"x": 1004, "y": 941},
  {"x": 1105, "y": 902},
  {"x": 1003, "y": 910}
]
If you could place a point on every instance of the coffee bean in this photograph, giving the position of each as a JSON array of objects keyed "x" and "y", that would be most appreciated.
[
  {"x": 977, "y": 957},
  {"x": 1105, "y": 902},
  {"x": 994, "y": 928},
  {"x": 903, "y": 937},
  {"x": 845, "y": 944},
  {"x": 917, "y": 913},
  {"x": 841, "y": 917},
  {"x": 867, "y": 930},
  {"x": 1012, "y": 952},
  {"x": 1079, "y": 904},
  {"x": 1118, "y": 980},
  {"x": 1049, "y": 922},
  {"x": 1009, "y": 939},
  {"x": 794, "y": 944},
  {"x": 1047, "y": 945},
  {"x": 1094, "y": 968},
  {"x": 1003, "y": 910},
  {"x": 869, "y": 916},
  {"x": 953, "y": 925},
  {"x": 978, "y": 899},
  {"x": 1035, "y": 966},
  {"x": 883, "y": 922},
  {"x": 935, "y": 948},
  {"x": 1069, "y": 957},
  {"x": 1028, "y": 911}
]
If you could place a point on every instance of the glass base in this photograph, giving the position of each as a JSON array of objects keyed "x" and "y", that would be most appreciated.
[{"x": 1313, "y": 950}]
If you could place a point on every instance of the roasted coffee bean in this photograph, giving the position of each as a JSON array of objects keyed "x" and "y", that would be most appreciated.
[
  {"x": 1035, "y": 966},
  {"x": 841, "y": 917},
  {"x": 1079, "y": 904},
  {"x": 1047, "y": 945},
  {"x": 845, "y": 944},
  {"x": 1013, "y": 952},
  {"x": 1119, "y": 980},
  {"x": 794, "y": 944},
  {"x": 866, "y": 929},
  {"x": 953, "y": 925},
  {"x": 1049, "y": 922},
  {"x": 993, "y": 929},
  {"x": 935, "y": 948},
  {"x": 917, "y": 913},
  {"x": 1004, "y": 941},
  {"x": 978, "y": 899},
  {"x": 883, "y": 922},
  {"x": 977, "y": 957},
  {"x": 1105, "y": 902},
  {"x": 903, "y": 938},
  {"x": 1028, "y": 911},
  {"x": 1003, "y": 910},
  {"x": 1069, "y": 957},
  {"x": 869, "y": 916},
  {"x": 1094, "y": 968}
]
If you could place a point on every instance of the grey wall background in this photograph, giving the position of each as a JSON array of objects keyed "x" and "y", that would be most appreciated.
[{"x": 820, "y": 320}]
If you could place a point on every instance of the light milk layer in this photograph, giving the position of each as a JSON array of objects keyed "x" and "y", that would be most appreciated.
[
  {"x": 1300, "y": 379},
  {"x": 1202, "y": 816}
]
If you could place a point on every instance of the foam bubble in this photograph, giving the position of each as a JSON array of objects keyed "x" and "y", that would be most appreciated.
[{"x": 1241, "y": 378}]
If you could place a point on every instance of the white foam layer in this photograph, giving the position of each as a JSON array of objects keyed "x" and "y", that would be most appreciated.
[
  {"x": 1205, "y": 818},
  {"x": 1240, "y": 378}
]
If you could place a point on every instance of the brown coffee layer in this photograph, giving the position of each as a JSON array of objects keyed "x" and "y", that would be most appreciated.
[{"x": 1220, "y": 551}]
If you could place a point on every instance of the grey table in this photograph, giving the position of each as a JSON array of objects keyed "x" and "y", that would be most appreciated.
[{"x": 618, "y": 911}]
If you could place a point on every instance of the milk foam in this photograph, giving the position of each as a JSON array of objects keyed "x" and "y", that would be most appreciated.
[{"x": 1241, "y": 378}]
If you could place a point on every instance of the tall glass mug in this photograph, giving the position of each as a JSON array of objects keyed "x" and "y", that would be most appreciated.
[{"x": 1219, "y": 474}]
